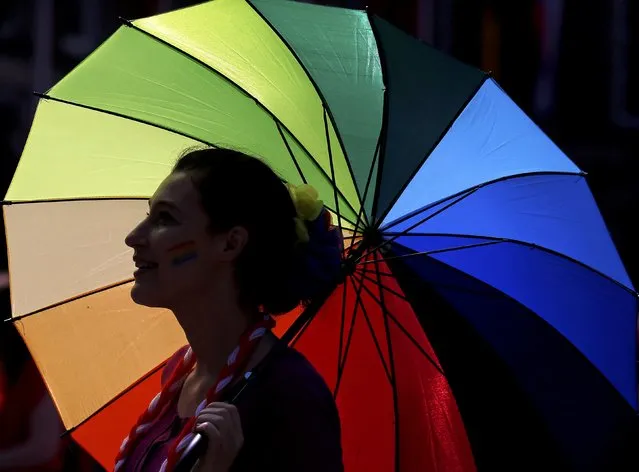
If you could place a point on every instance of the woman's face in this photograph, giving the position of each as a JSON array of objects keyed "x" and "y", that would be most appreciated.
[{"x": 175, "y": 253}]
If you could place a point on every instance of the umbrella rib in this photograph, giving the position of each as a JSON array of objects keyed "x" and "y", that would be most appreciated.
[
  {"x": 340, "y": 370},
  {"x": 368, "y": 182},
  {"x": 385, "y": 287},
  {"x": 69, "y": 199},
  {"x": 362, "y": 210},
  {"x": 435, "y": 251},
  {"x": 393, "y": 374},
  {"x": 414, "y": 341},
  {"x": 330, "y": 159},
  {"x": 342, "y": 217},
  {"x": 404, "y": 330},
  {"x": 372, "y": 331},
  {"x": 422, "y": 221},
  {"x": 529, "y": 312},
  {"x": 446, "y": 235},
  {"x": 353, "y": 236},
  {"x": 115, "y": 398},
  {"x": 327, "y": 108},
  {"x": 353, "y": 243},
  {"x": 295, "y": 332},
  {"x": 301, "y": 331},
  {"x": 385, "y": 117},
  {"x": 303, "y": 321},
  {"x": 458, "y": 197},
  {"x": 90, "y": 199},
  {"x": 69, "y": 300},
  {"x": 341, "y": 337},
  {"x": 433, "y": 147},
  {"x": 364, "y": 273},
  {"x": 467, "y": 191},
  {"x": 366, "y": 270},
  {"x": 290, "y": 153},
  {"x": 454, "y": 198},
  {"x": 231, "y": 82},
  {"x": 45, "y": 96},
  {"x": 494, "y": 240},
  {"x": 119, "y": 115}
]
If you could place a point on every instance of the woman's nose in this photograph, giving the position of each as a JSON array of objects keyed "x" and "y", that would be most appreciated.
[{"x": 137, "y": 237}]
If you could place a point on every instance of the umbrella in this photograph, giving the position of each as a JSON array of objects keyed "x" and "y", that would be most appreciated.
[{"x": 484, "y": 319}]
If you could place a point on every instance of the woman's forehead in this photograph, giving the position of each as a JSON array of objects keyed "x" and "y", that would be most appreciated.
[{"x": 176, "y": 189}]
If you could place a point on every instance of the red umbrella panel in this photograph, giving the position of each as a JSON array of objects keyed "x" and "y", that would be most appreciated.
[{"x": 396, "y": 407}]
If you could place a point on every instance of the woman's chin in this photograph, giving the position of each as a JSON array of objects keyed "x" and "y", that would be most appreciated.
[{"x": 146, "y": 296}]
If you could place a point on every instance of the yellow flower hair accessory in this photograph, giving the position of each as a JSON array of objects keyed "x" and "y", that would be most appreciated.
[{"x": 308, "y": 208}]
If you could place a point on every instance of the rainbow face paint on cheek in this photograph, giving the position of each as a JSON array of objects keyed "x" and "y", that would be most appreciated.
[{"x": 182, "y": 253}]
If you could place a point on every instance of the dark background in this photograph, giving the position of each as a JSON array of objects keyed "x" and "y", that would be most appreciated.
[{"x": 571, "y": 65}]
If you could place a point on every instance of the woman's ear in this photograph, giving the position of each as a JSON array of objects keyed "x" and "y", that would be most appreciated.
[{"x": 234, "y": 242}]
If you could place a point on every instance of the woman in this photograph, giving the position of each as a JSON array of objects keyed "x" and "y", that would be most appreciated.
[{"x": 225, "y": 245}]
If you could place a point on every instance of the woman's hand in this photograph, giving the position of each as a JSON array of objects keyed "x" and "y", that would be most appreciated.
[{"x": 220, "y": 423}]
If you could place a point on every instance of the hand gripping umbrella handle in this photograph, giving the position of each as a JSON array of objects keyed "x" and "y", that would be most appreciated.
[{"x": 197, "y": 446}]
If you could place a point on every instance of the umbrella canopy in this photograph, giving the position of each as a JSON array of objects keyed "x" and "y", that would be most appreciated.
[{"x": 481, "y": 282}]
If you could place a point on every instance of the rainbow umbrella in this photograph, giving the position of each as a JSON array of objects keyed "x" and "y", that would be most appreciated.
[{"x": 483, "y": 300}]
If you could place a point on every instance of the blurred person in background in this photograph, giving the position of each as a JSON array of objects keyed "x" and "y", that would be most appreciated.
[{"x": 30, "y": 427}]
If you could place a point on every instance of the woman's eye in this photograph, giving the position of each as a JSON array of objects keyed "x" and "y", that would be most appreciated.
[{"x": 161, "y": 218}]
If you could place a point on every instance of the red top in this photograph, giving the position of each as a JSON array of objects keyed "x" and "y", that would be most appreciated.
[
  {"x": 289, "y": 420},
  {"x": 16, "y": 406}
]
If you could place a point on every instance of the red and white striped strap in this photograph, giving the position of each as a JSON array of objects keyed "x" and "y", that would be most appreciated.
[
  {"x": 232, "y": 370},
  {"x": 236, "y": 363},
  {"x": 157, "y": 405}
]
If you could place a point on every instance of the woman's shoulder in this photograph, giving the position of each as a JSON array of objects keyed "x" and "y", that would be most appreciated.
[
  {"x": 296, "y": 393},
  {"x": 292, "y": 413},
  {"x": 290, "y": 374}
]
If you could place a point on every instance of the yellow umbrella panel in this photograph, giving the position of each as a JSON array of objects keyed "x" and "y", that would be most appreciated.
[{"x": 102, "y": 140}]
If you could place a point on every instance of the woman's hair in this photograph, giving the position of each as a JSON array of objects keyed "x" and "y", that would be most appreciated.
[{"x": 275, "y": 271}]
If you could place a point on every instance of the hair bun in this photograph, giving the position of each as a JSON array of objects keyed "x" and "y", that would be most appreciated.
[{"x": 320, "y": 259}]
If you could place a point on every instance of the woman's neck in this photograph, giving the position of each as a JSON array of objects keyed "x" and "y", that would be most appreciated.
[
  {"x": 213, "y": 329},
  {"x": 213, "y": 325}
]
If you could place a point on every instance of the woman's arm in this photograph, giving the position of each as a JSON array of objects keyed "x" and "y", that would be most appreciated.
[{"x": 43, "y": 442}]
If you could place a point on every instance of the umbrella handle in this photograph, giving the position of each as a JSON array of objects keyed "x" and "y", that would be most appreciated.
[
  {"x": 197, "y": 445},
  {"x": 193, "y": 451}
]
